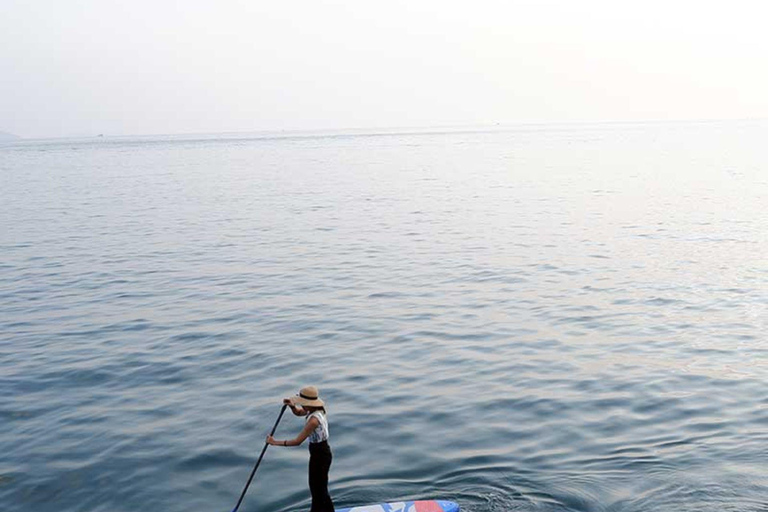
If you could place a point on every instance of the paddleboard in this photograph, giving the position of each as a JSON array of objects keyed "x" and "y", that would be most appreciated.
[{"x": 407, "y": 506}]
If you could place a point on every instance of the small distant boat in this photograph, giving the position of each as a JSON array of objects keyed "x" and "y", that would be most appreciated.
[{"x": 407, "y": 506}]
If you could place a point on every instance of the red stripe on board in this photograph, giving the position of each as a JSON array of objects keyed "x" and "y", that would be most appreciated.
[{"x": 427, "y": 506}]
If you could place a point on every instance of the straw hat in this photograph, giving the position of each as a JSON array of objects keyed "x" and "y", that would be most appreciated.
[{"x": 308, "y": 396}]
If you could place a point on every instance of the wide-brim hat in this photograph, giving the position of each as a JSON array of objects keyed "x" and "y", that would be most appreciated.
[{"x": 308, "y": 396}]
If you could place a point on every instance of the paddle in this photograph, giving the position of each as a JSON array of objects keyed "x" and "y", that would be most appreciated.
[{"x": 242, "y": 495}]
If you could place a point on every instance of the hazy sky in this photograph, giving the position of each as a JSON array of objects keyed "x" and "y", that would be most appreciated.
[{"x": 83, "y": 67}]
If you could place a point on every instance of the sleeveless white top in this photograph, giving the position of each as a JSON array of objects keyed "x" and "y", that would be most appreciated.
[{"x": 320, "y": 433}]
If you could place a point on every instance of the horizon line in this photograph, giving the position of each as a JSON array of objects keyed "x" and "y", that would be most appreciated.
[{"x": 392, "y": 130}]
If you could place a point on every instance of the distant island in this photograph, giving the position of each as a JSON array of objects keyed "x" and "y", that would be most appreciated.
[{"x": 8, "y": 136}]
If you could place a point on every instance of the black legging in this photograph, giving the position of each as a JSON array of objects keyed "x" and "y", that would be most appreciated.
[{"x": 320, "y": 458}]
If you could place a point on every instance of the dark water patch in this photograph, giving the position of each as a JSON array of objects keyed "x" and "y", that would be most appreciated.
[
  {"x": 71, "y": 378},
  {"x": 386, "y": 295},
  {"x": 211, "y": 459}
]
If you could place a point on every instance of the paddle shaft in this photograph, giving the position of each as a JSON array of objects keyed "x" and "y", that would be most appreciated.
[{"x": 263, "y": 450}]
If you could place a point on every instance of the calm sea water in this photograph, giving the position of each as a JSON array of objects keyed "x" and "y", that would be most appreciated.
[{"x": 551, "y": 318}]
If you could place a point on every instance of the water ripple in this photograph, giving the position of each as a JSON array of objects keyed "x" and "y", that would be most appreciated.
[{"x": 540, "y": 320}]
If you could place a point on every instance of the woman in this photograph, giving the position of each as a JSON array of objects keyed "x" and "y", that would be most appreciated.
[{"x": 320, "y": 456}]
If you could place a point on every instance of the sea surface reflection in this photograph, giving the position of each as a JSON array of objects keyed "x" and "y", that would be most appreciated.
[{"x": 541, "y": 318}]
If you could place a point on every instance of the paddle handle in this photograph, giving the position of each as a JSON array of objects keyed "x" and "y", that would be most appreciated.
[{"x": 263, "y": 450}]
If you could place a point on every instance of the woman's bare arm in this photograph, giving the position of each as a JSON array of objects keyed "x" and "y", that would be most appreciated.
[
  {"x": 311, "y": 425},
  {"x": 297, "y": 411}
]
